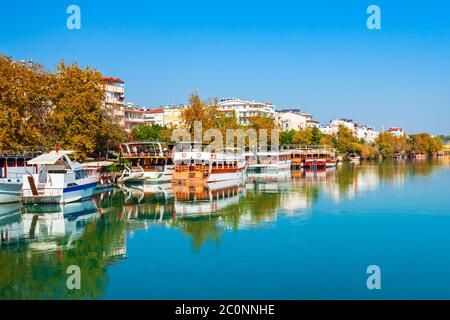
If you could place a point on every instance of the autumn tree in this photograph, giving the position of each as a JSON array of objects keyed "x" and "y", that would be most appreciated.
[
  {"x": 24, "y": 90},
  {"x": 425, "y": 143},
  {"x": 200, "y": 111},
  {"x": 76, "y": 121}
]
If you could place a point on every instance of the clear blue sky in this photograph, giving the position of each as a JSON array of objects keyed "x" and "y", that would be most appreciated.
[{"x": 316, "y": 55}]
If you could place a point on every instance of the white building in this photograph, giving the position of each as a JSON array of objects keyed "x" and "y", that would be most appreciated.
[
  {"x": 292, "y": 121},
  {"x": 135, "y": 117},
  {"x": 333, "y": 127},
  {"x": 396, "y": 132},
  {"x": 154, "y": 117},
  {"x": 246, "y": 110},
  {"x": 311, "y": 123},
  {"x": 367, "y": 133}
]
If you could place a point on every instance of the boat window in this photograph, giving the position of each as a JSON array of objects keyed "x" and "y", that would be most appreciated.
[
  {"x": 80, "y": 174},
  {"x": 11, "y": 162},
  {"x": 20, "y": 162}
]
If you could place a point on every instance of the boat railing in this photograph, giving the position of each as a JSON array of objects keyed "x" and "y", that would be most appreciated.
[
  {"x": 47, "y": 192},
  {"x": 29, "y": 152}
]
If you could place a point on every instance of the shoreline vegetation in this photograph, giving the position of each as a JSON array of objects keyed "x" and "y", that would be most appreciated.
[{"x": 65, "y": 108}]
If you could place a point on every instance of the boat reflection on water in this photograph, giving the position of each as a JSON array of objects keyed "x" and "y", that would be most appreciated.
[
  {"x": 138, "y": 192},
  {"x": 47, "y": 227},
  {"x": 198, "y": 200}
]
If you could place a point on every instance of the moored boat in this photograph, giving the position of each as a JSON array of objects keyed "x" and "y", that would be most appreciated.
[
  {"x": 195, "y": 163},
  {"x": 146, "y": 162},
  {"x": 99, "y": 170},
  {"x": 267, "y": 161},
  {"x": 59, "y": 180},
  {"x": 13, "y": 165},
  {"x": 354, "y": 158},
  {"x": 317, "y": 158}
]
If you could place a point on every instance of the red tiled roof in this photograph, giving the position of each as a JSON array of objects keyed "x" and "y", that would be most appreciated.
[
  {"x": 161, "y": 110},
  {"x": 112, "y": 79}
]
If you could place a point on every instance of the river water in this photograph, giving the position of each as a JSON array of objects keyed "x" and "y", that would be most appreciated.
[{"x": 304, "y": 235}]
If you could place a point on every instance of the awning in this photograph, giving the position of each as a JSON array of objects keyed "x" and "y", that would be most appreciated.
[
  {"x": 49, "y": 158},
  {"x": 97, "y": 164}
]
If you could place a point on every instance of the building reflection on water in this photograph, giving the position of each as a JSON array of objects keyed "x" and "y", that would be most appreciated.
[{"x": 38, "y": 243}]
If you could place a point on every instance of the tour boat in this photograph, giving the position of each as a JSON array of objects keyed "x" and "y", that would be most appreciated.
[
  {"x": 146, "y": 162},
  {"x": 98, "y": 169},
  {"x": 194, "y": 163},
  {"x": 315, "y": 157},
  {"x": 13, "y": 165},
  {"x": 58, "y": 181},
  {"x": 264, "y": 161}
]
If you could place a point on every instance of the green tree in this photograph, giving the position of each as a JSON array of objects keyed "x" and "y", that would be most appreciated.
[
  {"x": 346, "y": 142},
  {"x": 316, "y": 136},
  {"x": 303, "y": 137},
  {"x": 286, "y": 137}
]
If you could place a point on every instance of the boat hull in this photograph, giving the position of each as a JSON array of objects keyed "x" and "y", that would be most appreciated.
[
  {"x": 10, "y": 192},
  {"x": 153, "y": 177},
  {"x": 68, "y": 195}
]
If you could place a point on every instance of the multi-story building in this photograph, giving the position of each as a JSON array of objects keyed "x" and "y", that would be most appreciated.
[
  {"x": 246, "y": 110},
  {"x": 311, "y": 123},
  {"x": 154, "y": 117},
  {"x": 333, "y": 127},
  {"x": 291, "y": 120},
  {"x": 367, "y": 133},
  {"x": 114, "y": 101},
  {"x": 135, "y": 116},
  {"x": 396, "y": 132},
  {"x": 172, "y": 115}
]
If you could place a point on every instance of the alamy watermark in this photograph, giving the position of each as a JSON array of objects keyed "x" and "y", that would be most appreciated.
[
  {"x": 374, "y": 279},
  {"x": 374, "y": 20},
  {"x": 215, "y": 140},
  {"x": 73, "y": 22},
  {"x": 74, "y": 279}
]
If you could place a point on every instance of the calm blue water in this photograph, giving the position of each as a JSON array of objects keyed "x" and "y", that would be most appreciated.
[{"x": 310, "y": 236}]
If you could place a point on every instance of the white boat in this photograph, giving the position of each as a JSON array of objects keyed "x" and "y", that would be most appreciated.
[
  {"x": 59, "y": 180},
  {"x": 195, "y": 163},
  {"x": 99, "y": 170},
  {"x": 146, "y": 162},
  {"x": 354, "y": 159},
  {"x": 13, "y": 165},
  {"x": 268, "y": 162}
]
